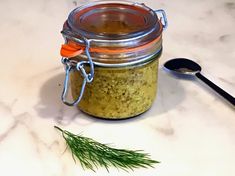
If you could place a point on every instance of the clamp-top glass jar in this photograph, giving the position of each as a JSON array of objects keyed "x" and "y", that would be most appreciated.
[{"x": 111, "y": 53}]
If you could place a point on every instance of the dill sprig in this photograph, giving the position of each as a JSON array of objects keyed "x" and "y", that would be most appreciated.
[{"x": 93, "y": 154}]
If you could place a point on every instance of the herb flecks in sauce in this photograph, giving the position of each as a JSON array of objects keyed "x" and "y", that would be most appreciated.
[{"x": 118, "y": 93}]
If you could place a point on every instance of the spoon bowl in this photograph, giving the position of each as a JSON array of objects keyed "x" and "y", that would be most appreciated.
[{"x": 182, "y": 66}]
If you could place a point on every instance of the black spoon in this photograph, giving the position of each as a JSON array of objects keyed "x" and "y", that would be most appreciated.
[{"x": 189, "y": 67}]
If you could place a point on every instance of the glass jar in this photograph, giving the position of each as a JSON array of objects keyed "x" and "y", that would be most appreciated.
[{"x": 111, "y": 53}]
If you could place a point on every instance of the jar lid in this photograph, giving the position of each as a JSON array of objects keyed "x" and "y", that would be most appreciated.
[{"x": 113, "y": 24}]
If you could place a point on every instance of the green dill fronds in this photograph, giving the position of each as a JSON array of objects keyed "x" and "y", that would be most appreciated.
[{"x": 92, "y": 154}]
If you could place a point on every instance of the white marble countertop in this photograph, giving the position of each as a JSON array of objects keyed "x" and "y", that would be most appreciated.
[{"x": 190, "y": 129}]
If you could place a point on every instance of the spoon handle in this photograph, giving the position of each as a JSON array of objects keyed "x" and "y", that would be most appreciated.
[{"x": 220, "y": 91}]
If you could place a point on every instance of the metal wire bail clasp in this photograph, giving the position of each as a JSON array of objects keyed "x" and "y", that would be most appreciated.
[
  {"x": 162, "y": 16},
  {"x": 71, "y": 65}
]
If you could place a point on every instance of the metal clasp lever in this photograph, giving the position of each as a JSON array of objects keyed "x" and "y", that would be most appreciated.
[
  {"x": 68, "y": 68},
  {"x": 162, "y": 16},
  {"x": 71, "y": 65}
]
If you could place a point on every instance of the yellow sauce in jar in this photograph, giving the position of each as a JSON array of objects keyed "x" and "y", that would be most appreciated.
[{"x": 118, "y": 92}]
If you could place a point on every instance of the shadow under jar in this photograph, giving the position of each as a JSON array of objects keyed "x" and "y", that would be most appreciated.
[{"x": 111, "y": 56}]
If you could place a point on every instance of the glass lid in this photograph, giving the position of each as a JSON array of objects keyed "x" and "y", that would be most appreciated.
[{"x": 113, "y": 20}]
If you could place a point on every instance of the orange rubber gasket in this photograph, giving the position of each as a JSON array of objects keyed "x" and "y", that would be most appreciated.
[{"x": 72, "y": 49}]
